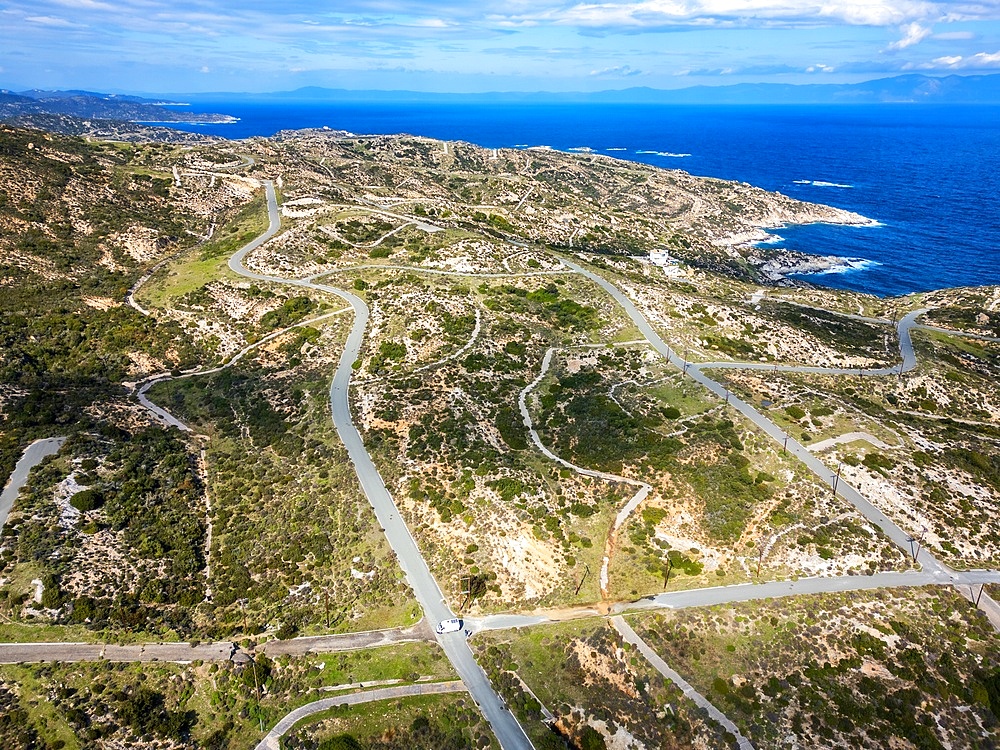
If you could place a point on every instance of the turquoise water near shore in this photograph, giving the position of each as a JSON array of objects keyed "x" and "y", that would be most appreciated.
[{"x": 930, "y": 175}]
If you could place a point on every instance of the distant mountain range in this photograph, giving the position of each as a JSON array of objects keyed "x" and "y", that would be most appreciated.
[
  {"x": 91, "y": 105},
  {"x": 904, "y": 89},
  {"x": 38, "y": 108}
]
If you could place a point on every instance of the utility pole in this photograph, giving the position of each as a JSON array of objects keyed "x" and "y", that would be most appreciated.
[
  {"x": 836, "y": 479},
  {"x": 326, "y": 601},
  {"x": 784, "y": 448},
  {"x": 467, "y": 591},
  {"x": 584, "y": 578},
  {"x": 920, "y": 543},
  {"x": 256, "y": 686},
  {"x": 982, "y": 588}
]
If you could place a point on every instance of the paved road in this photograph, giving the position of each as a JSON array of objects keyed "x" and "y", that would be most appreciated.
[
  {"x": 31, "y": 457},
  {"x": 169, "y": 419},
  {"x": 444, "y": 272},
  {"x": 272, "y": 741},
  {"x": 909, "y": 358},
  {"x": 506, "y": 728},
  {"x": 636, "y": 500},
  {"x": 899, "y": 537},
  {"x": 966, "y": 334},
  {"x": 17, "y": 653},
  {"x": 162, "y": 414},
  {"x": 325, "y": 644},
  {"x": 630, "y": 636},
  {"x": 745, "y": 592}
]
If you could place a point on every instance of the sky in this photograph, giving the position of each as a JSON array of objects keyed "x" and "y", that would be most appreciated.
[{"x": 161, "y": 46}]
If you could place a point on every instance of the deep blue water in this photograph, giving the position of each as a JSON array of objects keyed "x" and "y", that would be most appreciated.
[{"x": 929, "y": 174}]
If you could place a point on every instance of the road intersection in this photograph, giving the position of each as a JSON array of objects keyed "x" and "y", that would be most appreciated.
[{"x": 509, "y": 733}]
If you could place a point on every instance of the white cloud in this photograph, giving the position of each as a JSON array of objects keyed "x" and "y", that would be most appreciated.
[
  {"x": 820, "y": 68},
  {"x": 978, "y": 61},
  {"x": 913, "y": 33},
  {"x": 205, "y": 69},
  {"x": 984, "y": 60},
  {"x": 433, "y": 23},
  {"x": 622, "y": 71},
  {"x": 954, "y": 36},
  {"x": 53, "y": 21},
  {"x": 85, "y": 4},
  {"x": 735, "y": 13}
]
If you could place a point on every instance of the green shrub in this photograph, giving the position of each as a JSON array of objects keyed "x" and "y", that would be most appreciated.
[
  {"x": 87, "y": 500},
  {"x": 795, "y": 412}
]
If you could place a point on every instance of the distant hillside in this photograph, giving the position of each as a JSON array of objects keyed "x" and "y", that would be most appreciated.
[
  {"x": 914, "y": 88},
  {"x": 87, "y": 104},
  {"x": 899, "y": 89}
]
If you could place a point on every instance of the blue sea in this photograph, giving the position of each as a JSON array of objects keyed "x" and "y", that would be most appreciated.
[{"x": 929, "y": 174}]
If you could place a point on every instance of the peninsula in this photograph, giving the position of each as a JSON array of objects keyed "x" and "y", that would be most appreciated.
[{"x": 322, "y": 392}]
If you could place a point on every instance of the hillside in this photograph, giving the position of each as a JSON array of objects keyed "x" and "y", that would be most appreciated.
[
  {"x": 88, "y": 105},
  {"x": 585, "y": 395}
]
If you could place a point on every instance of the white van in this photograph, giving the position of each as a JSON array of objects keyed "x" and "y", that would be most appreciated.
[{"x": 448, "y": 626}]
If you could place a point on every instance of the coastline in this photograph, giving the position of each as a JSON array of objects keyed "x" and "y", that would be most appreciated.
[
  {"x": 780, "y": 264},
  {"x": 777, "y": 264},
  {"x": 222, "y": 120}
]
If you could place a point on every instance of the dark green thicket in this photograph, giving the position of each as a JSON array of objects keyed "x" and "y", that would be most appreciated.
[
  {"x": 16, "y": 732},
  {"x": 57, "y": 353},
  {"x": 149, "y": 493},
  {"x": 545, "y": 303}
]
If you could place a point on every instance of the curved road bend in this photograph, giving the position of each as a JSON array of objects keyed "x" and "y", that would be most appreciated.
[
  {"x": 909, "y": 358},
  {"x": 169, "y": 419},
  {"x": 899, "y": 537},
  {"x": 630, "y": 636},
  {"x": 745, "y": 592},
  {"x": 272, "y": 740},
  {"x": 506, "y": 728},
  {"x": 31, "y": 457}
]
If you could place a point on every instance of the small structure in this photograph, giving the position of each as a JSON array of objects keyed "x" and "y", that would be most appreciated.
[
  {"x": 671, "y": 266},
  {"x": 662, "y": 258}
]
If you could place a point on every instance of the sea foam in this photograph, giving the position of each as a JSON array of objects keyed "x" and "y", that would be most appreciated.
[
  {"x": 822, "y": 183},
  {"x": 662, "y": 153},
  {"x": 849, "y": 265}
]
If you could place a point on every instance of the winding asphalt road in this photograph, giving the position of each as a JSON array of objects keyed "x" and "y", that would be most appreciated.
[
  {"x": 272, "y": 740},
  {"x": 31, "y": 457},
  {"x": 506, "y": 728},
  {"x": 909, "y": 358},
  {"x": 899, "y": 537},
  {"x": 169, "y": 419},
  {"x": 630, "y": 636}
]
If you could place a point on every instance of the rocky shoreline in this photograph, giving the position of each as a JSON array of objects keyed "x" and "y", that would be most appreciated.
[{"x": 776, "y": 265}]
